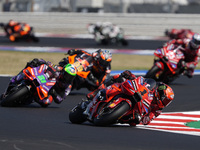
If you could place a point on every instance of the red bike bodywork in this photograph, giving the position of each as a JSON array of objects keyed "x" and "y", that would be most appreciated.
[
  {"x": 179, "y": 33},
  {"x": 168, "y": 61},
  {"x": 133, "y": 92}
]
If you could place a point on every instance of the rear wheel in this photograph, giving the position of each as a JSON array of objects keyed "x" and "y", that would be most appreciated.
[
  {"x": 107, "y": 116},
  {"x": 124, "y": 42},
  {"x": 35, "y": 39},
  {"x": 17, "y": 97}
]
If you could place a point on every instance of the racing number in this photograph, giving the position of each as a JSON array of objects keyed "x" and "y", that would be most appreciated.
[
  {"x": 143, "y": 92},
  {"x": 78, "y": 66},
  {"x": 42, "y": 79}
]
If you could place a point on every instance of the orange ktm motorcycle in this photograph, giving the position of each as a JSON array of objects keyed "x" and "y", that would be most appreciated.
[
  {"x": 21, "y": 31},
  {"x": 84, "y": 64}
]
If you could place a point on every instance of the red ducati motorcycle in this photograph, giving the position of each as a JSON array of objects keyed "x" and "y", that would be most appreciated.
[
  {"x": 179, "y": 33},
  {"x": 168, "y": 64},
  {"x": 118, "y": 103}
]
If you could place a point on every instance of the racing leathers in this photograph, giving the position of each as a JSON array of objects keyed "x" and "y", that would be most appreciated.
[
  {"x": 161, "y": 95},
  {"x": 118, "y": 78},
  {"x": 99, "y": 69},
  {"x": 191, "y": 55},
  {"x": 60, "y": 90},
  {"x": 15, "y": 30}
]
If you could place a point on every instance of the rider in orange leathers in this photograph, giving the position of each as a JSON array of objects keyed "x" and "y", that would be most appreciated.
[{"x": 16, "y": 30}]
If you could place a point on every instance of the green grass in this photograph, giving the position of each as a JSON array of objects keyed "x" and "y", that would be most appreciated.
[{"x": 12, "y": 62}]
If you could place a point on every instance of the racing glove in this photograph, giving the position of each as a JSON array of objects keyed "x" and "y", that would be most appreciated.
[
  {"x": 93, "y": 79},
  {"x": 74, "y": 51},
  {"x": 128, "y": 75},
  {"x": 71, "y": 52}
]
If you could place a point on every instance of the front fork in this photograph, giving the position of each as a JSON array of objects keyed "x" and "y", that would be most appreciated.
[{"x": 160, "y": 65}]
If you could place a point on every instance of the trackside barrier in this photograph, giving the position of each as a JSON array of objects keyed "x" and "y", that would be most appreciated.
[{"x": 134, "y": 24}]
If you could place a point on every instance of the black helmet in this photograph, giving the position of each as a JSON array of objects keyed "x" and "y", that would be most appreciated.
[
  {"x": 150, "y": 83},
  {"x": 195, "y": 42}
]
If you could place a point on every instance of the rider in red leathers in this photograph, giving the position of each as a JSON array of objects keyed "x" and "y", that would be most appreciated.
[
  {"x": 179, "y": 33},
  {"x": 190, "y": 48},
  {"x": 118, "y": 78},
  {"x": 162, "y": 96}
]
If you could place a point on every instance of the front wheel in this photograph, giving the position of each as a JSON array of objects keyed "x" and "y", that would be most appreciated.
[
  {"x": 17, "y": 97},
  {"x": 107, "y": 116},
  {"x": 152, "y": 72},
  {"x": 76, "y": 115}
]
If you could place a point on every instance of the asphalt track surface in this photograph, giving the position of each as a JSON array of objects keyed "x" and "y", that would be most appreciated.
[
  {"x": 33, "y": 127},
  {"x": 82, "y": 43}
]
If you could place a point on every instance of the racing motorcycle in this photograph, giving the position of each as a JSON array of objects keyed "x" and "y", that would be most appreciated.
[
  {"x": 179, "y": 33},
  {"x": 36, "y": 85},
  {"x": 105, "y": 39},
  {"x": 24, "y": 32},
  {"x": 83, "y": 64},
  {"x": 168, "y": 64},
  {"x": 125, "y": 102}
]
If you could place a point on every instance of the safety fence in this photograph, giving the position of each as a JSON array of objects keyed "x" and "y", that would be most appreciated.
[{"x": 133, "y": 24}]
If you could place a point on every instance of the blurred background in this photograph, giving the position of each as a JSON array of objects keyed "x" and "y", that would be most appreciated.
[
  {"x": 136, "y": 17},
  {"x": 102, "y": 6}
]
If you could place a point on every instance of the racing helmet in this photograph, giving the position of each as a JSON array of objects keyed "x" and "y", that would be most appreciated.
[
  {"x": 105, "y": 57},
  {"x": 69, "y": 73},
  {"x": 12, "y": 23},
  {"x": 195, "y": 42},
  {"x": 164, "y": 94},
  {"x": 150, "y": 83}
]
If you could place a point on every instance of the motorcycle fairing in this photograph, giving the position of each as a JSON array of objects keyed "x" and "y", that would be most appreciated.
[
  {"x": 81, "y": 65},
  {"x": 40, "y": 79}
]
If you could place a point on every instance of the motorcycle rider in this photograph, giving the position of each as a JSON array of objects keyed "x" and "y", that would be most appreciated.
[
  {"x": 104, "y": 31},
  {"x": 64, "y": 78},
  {"x": 190, "y": 48},
  {"x": 110, "y": 30},
  {"x": 161, "y": 93},
  {"x": 162, "y": 97},
  {"x": 100, "y": 67},
  {"x": 179, "y": 33},
  {"x": 118, "y": 78},
  {"x": 15, "y": 29}
]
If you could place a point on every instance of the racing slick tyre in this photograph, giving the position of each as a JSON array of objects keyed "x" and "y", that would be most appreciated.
[
  {"x": 107, "y": 116},
  {"x": 124, "y": 42},
  {"x": 35, "y": 39},
  {"x": 76, "y": 115},
  {"x": 16, "y": 97},
  {"x": 152, "y": 72}
]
